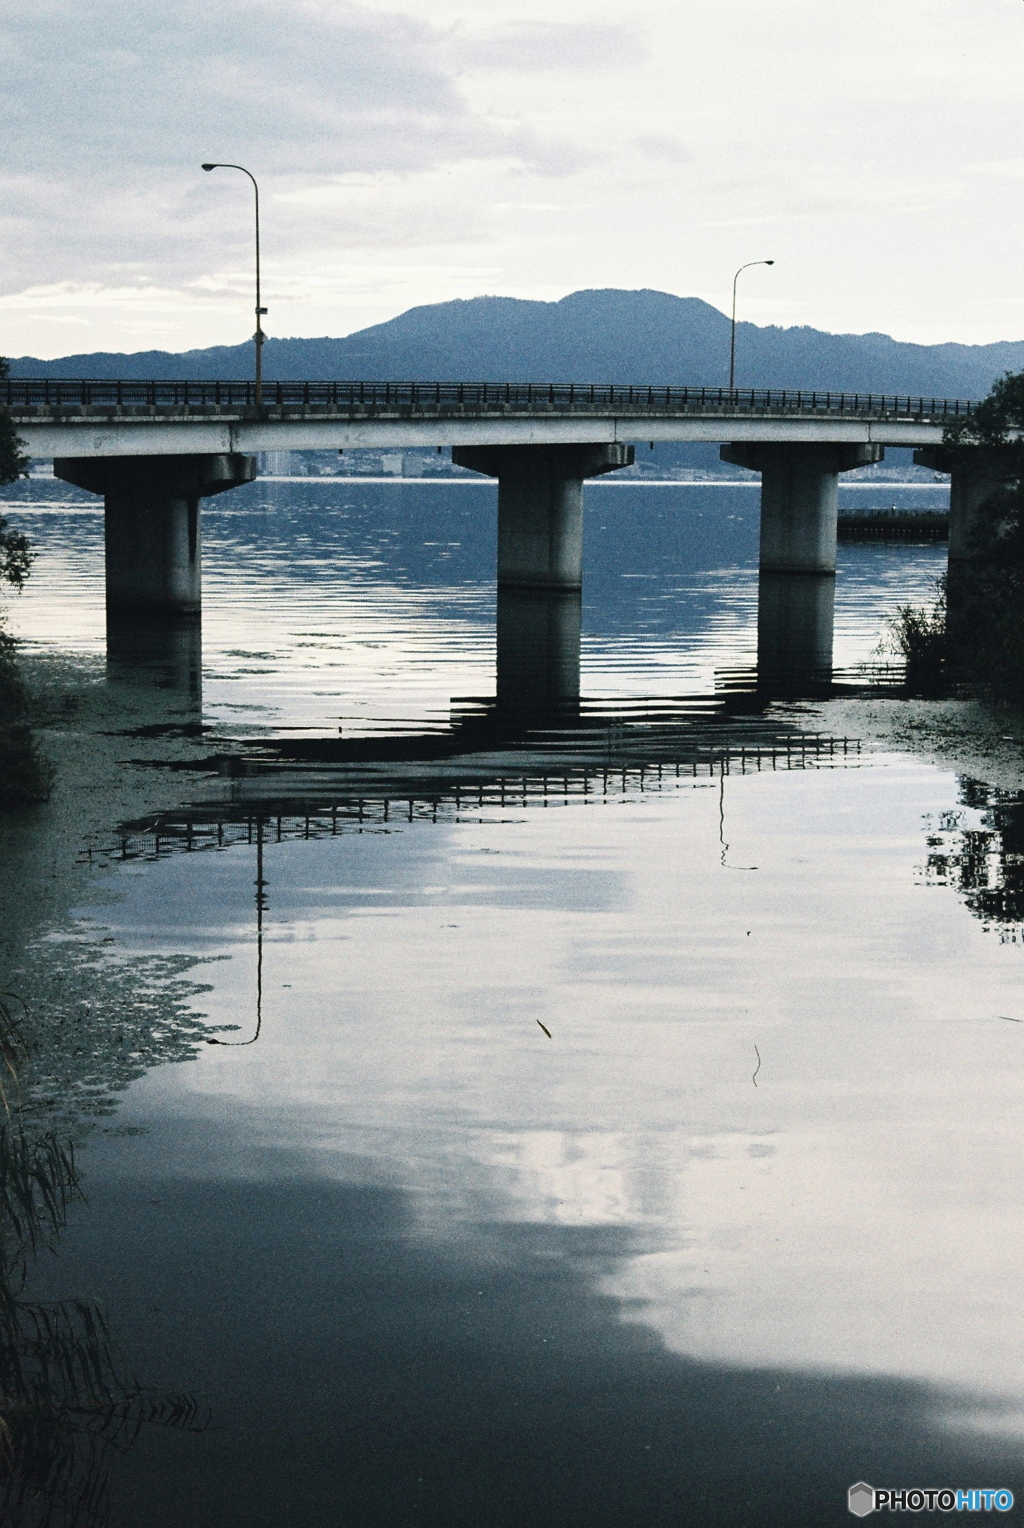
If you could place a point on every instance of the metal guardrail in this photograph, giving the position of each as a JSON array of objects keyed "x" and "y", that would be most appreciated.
[{"x": 431, "y": 398}]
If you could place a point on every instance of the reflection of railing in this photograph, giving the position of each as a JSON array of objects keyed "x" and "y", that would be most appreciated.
[
  {"x": 323, "y": 810},
  {"x": 431, "y": 398}
]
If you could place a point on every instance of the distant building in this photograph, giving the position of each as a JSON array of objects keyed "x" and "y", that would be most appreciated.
[{"x": 274, "y": 463}]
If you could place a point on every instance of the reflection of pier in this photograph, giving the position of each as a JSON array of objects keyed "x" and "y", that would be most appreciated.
[{"x": 166, "y": 653}]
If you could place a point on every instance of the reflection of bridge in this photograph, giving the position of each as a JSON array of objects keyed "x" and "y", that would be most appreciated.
[
  {"x": 155, "y": 449},
  {"x": 313, "y": 790}
]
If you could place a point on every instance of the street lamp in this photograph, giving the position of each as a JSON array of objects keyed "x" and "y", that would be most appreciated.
[
  {"x": 732, "y": 337},
  {"x": 258, "y": 336}
]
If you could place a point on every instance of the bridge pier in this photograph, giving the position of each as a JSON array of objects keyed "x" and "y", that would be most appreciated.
[
  {"x": 540, "y": 507},
  {"x": 976, "y": 473},
  {"x": 540, "y": 568},
  {"x": 797, "y": 566},
  {"x": 152, "y": 529}
]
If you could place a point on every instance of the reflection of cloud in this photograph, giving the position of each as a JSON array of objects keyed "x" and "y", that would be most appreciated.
[
  {"x": 855, "y": 1210},
  {"x": 577, "y": 1178}
]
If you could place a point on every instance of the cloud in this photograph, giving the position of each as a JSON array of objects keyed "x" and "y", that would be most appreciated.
[
  {"x": 423, "y": 138},
  {"x": 1010, "y": 169},
  {"x": 112, "y": 87},
  {"x": 663, "y": 146},
  {"x": 528, "y": 46},
  {"x": 111, "y": 105}
]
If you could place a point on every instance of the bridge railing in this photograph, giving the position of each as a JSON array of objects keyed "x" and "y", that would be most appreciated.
[{"x": 431, "y": 398}]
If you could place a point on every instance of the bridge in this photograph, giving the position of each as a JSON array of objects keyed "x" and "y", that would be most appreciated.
[
  {"x": 155, "y": 449},
  {"x": 127, "y": 418}
]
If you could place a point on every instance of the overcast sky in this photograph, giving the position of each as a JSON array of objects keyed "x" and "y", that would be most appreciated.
[{"x": 411, "y": 151}]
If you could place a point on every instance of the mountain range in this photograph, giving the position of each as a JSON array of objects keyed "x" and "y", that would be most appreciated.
[{"x": 612, "y": 335}]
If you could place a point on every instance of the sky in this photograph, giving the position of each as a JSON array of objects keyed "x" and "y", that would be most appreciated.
[{"x": 414, "y": 151}]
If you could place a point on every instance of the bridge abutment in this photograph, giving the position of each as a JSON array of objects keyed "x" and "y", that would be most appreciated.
[
  {"x": 976, "y": 473},
  {"x": 797, "y": 566},
  {"x": 152, "y": 530}
]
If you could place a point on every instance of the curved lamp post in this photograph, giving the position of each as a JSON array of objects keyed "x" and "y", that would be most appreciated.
[
  {"x": 732, "y": 336},
  {"x": 258, "y": 336}
]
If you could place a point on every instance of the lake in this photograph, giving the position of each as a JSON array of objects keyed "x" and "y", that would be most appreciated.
[{"x": 628, "y": 1129}]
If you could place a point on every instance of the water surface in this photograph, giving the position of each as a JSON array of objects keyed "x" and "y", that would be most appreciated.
[{"x": 621, "y": 1129}]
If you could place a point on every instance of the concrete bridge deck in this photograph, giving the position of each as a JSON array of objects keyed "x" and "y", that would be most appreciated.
[{"x": 58, "y": 417}]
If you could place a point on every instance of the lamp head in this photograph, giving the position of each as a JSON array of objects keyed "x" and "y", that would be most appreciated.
[
  {"x": 209, "y": 166},
  {"x": 767, "y": 262}
]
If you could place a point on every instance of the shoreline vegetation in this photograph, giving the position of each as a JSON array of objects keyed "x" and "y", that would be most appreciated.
[{"x": 25, "y": 776}]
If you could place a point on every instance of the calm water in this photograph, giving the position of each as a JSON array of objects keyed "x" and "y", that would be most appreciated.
[
  {"x": 332, "y": 603},
  {"x": 613, "y": 1133}
]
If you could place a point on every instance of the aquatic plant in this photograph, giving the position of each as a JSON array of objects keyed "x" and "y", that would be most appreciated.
[{"x": 96, "y": 1024}]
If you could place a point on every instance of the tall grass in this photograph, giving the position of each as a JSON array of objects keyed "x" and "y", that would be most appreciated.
[{"x": 920, "y": 635}]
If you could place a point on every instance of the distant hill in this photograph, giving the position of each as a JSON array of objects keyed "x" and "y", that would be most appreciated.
[{"x": 596, "y": 336}]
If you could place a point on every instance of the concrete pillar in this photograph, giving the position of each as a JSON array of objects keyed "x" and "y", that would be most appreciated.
[
  {"x": 152, "y": 530},
  {"x": 800, "y": 499},
  {"x": 540, "y": 571},
  {"x": 797, "y": 567},
  {"x": 540, "y": 507},
  {"x": 976, "y": 473}
]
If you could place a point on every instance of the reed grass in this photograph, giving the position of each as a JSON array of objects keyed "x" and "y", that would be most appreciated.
[{"x": 919, "y": 634}]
